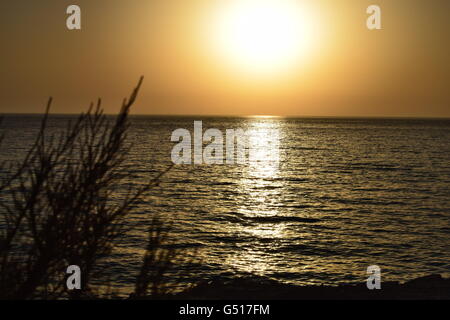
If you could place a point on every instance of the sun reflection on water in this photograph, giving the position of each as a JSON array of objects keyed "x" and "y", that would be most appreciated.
[
  {"x": 262, "y": 187},
  {"x": 264, "y": 149}
]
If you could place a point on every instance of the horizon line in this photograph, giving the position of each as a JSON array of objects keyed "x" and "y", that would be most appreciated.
[{"x": 242, "y": 116}]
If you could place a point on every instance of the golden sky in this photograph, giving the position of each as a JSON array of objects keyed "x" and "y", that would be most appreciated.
[{"x": 219, "y": 57}]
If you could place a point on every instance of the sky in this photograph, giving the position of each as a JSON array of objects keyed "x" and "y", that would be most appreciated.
[{"x": 205, "y": 57}]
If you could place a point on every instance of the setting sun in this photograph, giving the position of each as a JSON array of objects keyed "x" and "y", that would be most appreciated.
[{"x": 264, "y": 36}]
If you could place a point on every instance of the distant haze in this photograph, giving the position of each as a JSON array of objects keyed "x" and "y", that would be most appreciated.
[{"x": 401, "y": 70}]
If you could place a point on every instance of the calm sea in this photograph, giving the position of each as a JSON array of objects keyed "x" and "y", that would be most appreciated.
[{"x": 345, "y": 194}]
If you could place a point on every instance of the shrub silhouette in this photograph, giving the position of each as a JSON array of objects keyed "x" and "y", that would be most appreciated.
[{"x": 57, "y": 209}]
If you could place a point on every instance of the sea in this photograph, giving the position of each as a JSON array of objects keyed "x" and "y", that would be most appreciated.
[{"x": 332, "y": 197}]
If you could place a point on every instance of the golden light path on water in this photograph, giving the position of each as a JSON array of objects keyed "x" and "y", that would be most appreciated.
[{"x": 261, "y": 186}]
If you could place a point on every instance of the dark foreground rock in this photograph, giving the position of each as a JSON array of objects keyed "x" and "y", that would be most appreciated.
[{"x": 432, "y": 287}]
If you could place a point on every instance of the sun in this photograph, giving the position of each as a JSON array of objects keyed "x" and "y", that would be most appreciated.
[{"x": 264, "y": 36}]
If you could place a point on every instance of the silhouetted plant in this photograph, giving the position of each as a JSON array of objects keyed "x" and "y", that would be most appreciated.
[
  {"x": 156, "y": 262},
  {"x": 57, "y": 209}
]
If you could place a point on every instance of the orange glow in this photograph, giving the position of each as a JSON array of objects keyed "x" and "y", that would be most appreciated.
[{"x": 264, "y": 37}]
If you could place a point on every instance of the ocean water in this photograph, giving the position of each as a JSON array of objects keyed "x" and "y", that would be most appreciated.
[{"x": 344, "y": 195}]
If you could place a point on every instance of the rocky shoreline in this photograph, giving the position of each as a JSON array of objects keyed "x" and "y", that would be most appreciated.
[{"x": 432, "y": 287}]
